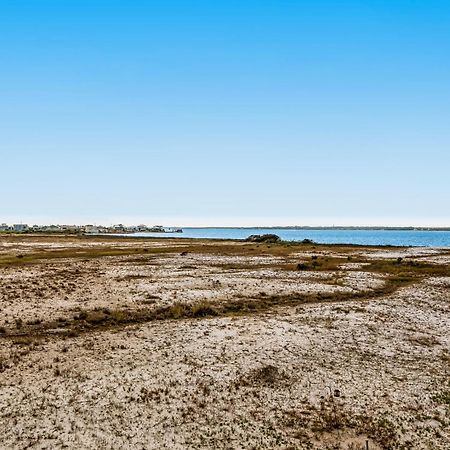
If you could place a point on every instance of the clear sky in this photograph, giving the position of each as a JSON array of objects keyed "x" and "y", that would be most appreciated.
[{"x": 225, "y": 112}]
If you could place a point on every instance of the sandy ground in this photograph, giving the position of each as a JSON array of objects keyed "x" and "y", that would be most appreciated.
[{"x": 369, "y": 370}]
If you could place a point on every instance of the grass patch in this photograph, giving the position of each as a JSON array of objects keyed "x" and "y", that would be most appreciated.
[
  {"x": 408, "y": 269},
  {"x": 267, "y": 375},
  {"x": 442, "y": 398},
  {"x": 171, "y": 245},
  {"x": 397, "y": 273},
  {"x": 98, "y": 319},
  {"x": 330, "y": 417}
]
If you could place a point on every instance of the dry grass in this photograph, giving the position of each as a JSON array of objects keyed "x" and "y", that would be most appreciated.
[
  {"x": 89, "y": 320},
  {"x": 98, "y": 247},
  {"x": 267, "y": 375},
  {"x": 397, "y": 273},
  {"x": 331, "y": 417}
]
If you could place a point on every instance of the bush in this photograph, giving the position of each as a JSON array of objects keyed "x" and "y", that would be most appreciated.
[{"x": 267, "y": 238}]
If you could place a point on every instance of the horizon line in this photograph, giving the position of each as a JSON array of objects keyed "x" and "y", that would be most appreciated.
[{"x": 311, "y": 227}]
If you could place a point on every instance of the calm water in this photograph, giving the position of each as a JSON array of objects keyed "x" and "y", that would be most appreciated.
[{"x": 363, "y": 237}]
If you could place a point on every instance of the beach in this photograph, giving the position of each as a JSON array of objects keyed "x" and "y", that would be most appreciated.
[{"x": 116, "y": 342}]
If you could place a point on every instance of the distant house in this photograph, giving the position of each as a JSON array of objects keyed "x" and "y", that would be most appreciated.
[
  {"x": 4, "y": 227},
  {"x": 120, "y": 228},
  {"x": 91, "y": 229},
  {"x": 20, "y": 227},
  {"x": 69, "y": 228},
  {"x": 53, "y": 228}
]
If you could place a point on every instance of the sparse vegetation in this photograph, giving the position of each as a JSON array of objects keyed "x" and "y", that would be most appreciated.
[
  {"x": 443, "y": 397},
  {"x": 267, "y": 375},
  {"x": 396, "y": 274},
  {"x": 331, "y": 416},
  {"x": 241, "y": 345}
]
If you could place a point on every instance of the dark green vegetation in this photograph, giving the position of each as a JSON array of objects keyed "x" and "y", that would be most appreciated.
[{"x": 267, "y": 238}]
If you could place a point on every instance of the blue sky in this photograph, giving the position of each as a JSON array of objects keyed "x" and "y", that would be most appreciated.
[{"x": 225, "y": 112}]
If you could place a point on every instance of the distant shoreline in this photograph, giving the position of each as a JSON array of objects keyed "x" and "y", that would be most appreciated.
[
  {"x": 350, "y": 228},
  {"x": 287, "y": 228}
]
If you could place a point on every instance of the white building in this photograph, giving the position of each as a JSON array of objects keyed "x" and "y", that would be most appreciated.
[
  {"x": 91, "y": 229},
  {"x": 19, "y": 227}
]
